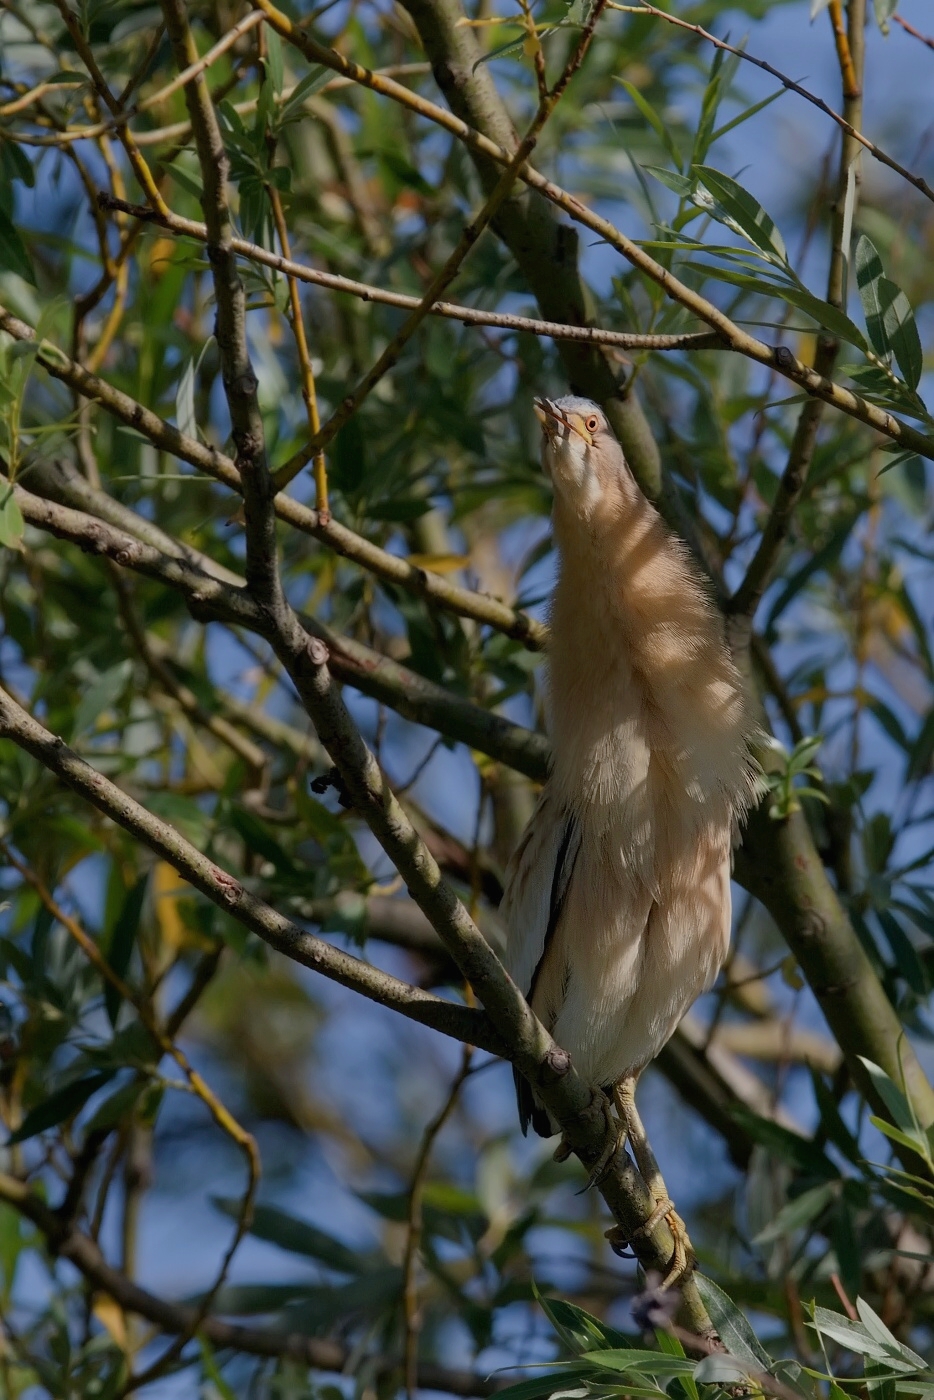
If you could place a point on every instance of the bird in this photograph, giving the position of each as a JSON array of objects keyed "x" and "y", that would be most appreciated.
[{"x": 617, "y": 903}]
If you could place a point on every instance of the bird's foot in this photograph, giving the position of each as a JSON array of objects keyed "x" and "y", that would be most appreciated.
[
  {"x": 615, "y": 1139},
  {"x": 664, "y": 1210}
]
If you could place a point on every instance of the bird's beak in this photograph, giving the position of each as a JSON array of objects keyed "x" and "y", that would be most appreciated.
[{"x": 550, "y": 415}]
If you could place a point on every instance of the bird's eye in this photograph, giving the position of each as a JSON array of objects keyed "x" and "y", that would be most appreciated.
[{"x": 592, "y": 423}]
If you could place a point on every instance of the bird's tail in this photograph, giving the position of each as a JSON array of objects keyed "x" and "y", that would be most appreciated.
[{"x": 530, "y": 1110}]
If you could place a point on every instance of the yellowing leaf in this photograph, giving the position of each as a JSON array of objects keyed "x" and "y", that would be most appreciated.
[
  {"x": 110, "y": 1315},
  {"x": 168, "y": 888},
  {"x": 440, "y": 563}
]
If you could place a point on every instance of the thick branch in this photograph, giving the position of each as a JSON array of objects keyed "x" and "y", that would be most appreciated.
[
  {"x": 779, "y": 864},
  {"x": 579, "y": 1111}
]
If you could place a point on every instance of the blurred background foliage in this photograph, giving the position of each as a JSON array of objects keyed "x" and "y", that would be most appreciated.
[{"x": 397, "y": 1200}]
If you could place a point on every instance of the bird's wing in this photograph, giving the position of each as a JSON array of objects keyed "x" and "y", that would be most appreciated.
[{"x": 537, "y": 882}]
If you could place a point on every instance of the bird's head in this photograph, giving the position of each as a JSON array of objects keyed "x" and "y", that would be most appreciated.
[{"x": 580, "y": 455}]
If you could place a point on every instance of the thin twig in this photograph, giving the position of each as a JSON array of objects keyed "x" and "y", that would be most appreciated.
[
  {"x": 548, "y": 101},
  {"x": 910, "y": 29},
  {"x": 390, "y": 567},
  {"x": 199, "y": 1086},
  {"x": 451, "y": 311},
  {"x": 875, "y": 151},
  {"x": 414, "y": 1234}
]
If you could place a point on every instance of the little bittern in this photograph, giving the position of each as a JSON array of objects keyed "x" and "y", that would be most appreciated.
[{"x": 617, "y": 902}]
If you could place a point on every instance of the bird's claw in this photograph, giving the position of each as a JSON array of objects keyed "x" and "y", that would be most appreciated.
[
  {"x": 615, "y": 1139},
  {"x": 619, "y": 1241}
]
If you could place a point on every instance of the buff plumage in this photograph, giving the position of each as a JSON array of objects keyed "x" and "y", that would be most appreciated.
[{"x": 617, "y": 903}]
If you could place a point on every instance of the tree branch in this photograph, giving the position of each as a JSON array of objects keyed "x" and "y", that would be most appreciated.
[
  {"x": 80, "y": 1250},
  {"x": 222, "y": 889},
  {"x": 432, "y": 587},
  {"x": 240, "y": 383},
  {"x": 448, "y": 310}
]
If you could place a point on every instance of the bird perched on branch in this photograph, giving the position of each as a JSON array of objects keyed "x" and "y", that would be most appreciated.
[{"x": 617, "y": 902}]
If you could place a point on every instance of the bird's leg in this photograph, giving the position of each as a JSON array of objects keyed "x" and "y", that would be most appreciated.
[{"x": 625, "y": 1095}]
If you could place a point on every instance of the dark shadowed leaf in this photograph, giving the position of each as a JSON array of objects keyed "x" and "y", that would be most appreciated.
[
  {"x": 122, "y": 942},
  {"x": 61, "y": 1105},
  {"x": 297, "y": 1236}
]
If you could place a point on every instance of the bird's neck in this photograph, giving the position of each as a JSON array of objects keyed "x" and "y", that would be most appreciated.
[{"x": 640, "y": 677}]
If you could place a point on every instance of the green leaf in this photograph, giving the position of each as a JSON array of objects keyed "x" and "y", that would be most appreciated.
[
  {"x": 672, "y": 1347},
  {"x": 274, "y": 62},
  {"x": 902, "y": 331},
  {"x": 101, "y": 697},
  {"x": 890, "y": 320},
  {"x": 653, "y": 119},
  {"x": 855, "y": 1337},
  {"x": 798, "y": 1214},
  {"x": 298, "y": 1236},
  {"x": 311, "y": 83},
  {"x": 208, "y": 1364},
  {"x": 560, "y": 1379},
  {"x": 745, "y": 211},
  {"x": 733, "y": 1326},
  {"x": 795, "y": 295},
  {"x": 632, "y": 1361},
  {"x": 720, "y": 1369},
  {"x": 117, "y": 1105},
  {"x": 579, "y": 1330},
  {"x": 122, "y": 942},
  {"x": 185, "y": 401},
  {"x": 16, "y": 164},
  {"x": 679, "y": 183},
  {"x": 13, "y": 254},
  {"x": 916, "y": 1142},
  {"x": 64, "y": 1103},
  {"x": 12, "y": 525},
  {"x": 890, "y": 1094},
  {"x": 745, "y": 115}
]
